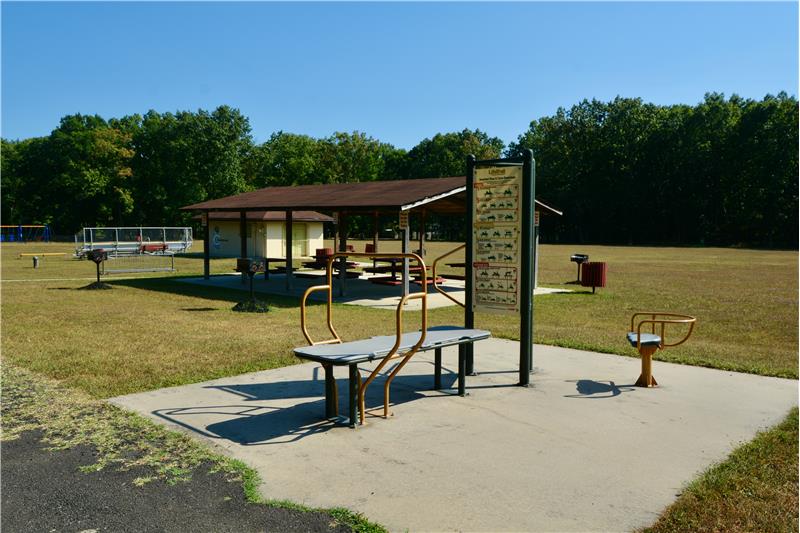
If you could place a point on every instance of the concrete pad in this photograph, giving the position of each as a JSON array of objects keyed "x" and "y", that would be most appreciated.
[
  {"x": 580, "y": 450},
  {"x": 359, "y": 291}
]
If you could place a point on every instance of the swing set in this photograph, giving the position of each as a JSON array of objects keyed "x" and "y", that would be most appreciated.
[{"x": 25, "y": 233}]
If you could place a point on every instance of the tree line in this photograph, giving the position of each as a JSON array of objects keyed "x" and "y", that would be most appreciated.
[{"x": 722, "y": 172}]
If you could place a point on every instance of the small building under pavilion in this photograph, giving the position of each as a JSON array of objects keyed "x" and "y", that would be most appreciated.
[{"x": 266, "y": 233}]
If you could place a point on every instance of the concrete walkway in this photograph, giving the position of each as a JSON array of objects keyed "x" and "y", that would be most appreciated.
[
  {"x": 360, "y": 291},
  {"x": 581, "y": 450}
]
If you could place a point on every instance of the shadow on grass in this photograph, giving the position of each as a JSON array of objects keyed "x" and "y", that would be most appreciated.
[
  {"x": 572, "y": 292},
  {"x": 173, "y": 285}
]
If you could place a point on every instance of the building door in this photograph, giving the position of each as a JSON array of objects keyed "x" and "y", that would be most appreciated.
[
  {"x": 259, "y": 239},
  {"x": 299, "y": 240}
]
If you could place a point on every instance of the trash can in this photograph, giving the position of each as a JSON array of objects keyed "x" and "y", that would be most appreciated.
[{"x": 593, "y": 275}]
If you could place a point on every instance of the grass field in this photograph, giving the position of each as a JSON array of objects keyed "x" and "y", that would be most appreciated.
[
  {"x": 150, "y": 332},
  {"x": 745, "y": 301},
  {"x": 755, "y": 489}
]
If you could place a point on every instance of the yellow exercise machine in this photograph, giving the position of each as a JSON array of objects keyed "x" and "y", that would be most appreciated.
[
  {"x": 381, "y": 349},
  {"x": 648, "y": 343},
  {"x": 435, "y": 276},
  {"x": 406, "y": 352}
]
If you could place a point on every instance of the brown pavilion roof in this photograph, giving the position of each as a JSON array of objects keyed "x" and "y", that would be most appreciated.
[
  {"x": 443, "y": 195},
  {"x": 269, "y": 216}
]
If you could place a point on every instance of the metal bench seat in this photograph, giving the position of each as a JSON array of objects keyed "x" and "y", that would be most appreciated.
[
  {"x": 374, "y": 348},
  {"x": 351, "y": 354},
  {"x": 335, "y": 352}
]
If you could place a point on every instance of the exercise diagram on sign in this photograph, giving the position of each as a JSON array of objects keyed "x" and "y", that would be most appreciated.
[{"x": 496, "y": 238}]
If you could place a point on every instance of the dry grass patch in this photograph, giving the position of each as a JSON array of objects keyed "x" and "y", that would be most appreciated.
[{"x": 123, "y": 440}]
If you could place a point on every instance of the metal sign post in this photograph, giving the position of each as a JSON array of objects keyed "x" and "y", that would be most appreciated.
[{"x": 500, "y": 252}]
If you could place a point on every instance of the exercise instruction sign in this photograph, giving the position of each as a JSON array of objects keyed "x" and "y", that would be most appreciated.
[{"x": 496, "y": 223}]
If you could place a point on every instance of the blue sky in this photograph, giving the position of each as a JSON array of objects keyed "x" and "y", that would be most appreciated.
[{"x": 398, "y": 71}]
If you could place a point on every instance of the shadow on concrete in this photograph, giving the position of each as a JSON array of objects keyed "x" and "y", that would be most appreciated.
[
  {"x": 230, "y": 288},
  {"x": 589, "y": 389},
  {"x": 259, "y": 424},
  {"x": 251, "y": 424}
]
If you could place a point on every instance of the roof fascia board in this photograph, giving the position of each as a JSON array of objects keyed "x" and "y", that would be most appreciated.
[
  {"x": 430, "y": 199},
  {"x": 553, "y": 210}
]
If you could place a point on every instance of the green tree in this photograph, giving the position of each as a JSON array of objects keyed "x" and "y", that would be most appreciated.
[
  {"x": 186, "y": 158},
  {"x": 78, "y": 175},
  {"x": 349, "y": 157},
  {"x": 445, "y": 154},
  {"x": 636, "y": 173},
  {"x": 287, "y": 159}
]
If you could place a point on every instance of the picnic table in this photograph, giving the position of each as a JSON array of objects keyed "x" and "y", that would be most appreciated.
[
  {"x": 393, "y": 269},
  {"x": 268, "y": 260}
]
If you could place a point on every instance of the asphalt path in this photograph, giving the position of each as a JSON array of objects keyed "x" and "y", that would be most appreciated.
[{"x": 44, "y": 490}]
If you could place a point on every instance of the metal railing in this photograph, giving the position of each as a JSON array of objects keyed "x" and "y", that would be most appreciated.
[
  {"x": 134, "y": 240},
  {"x": 436, "y": 279}
]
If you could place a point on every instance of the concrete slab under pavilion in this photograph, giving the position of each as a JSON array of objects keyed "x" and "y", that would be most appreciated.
[{"x": 360, "y": 291}]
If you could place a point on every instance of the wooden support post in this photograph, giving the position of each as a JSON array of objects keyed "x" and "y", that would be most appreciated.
[
  {"x": 206, "y": 246},
  {"x": 243, "y": 238},
  {"x": 289, "y": 231},
  {"x": 376, "y": 230},
  {"x": 336, "y": 216},
  {"x": 342, "y": 248},
  {"x": 406, "y": 246},
  {"x": 422, "y": 233}
]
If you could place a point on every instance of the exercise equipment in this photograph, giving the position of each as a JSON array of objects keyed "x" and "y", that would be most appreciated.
[{"x": 649, "y": 343}]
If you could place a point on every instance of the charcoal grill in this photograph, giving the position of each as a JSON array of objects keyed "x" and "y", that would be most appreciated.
[
  {"x": 97, "y": 256},
  {"x": 579, "y": 259},
  {"x": 250, "y": 267}
]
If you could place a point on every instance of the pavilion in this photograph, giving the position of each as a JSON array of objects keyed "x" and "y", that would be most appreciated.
[{"x": 420, "y": 196}]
